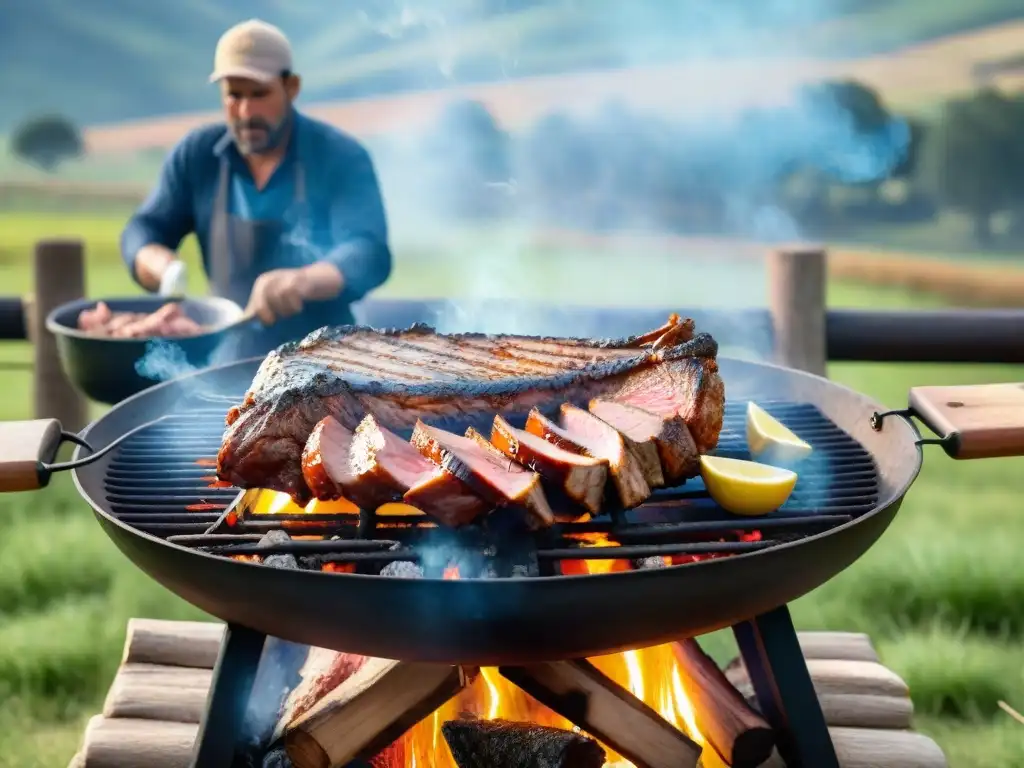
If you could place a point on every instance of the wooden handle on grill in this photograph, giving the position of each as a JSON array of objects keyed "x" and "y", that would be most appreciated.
[
  {"x": 983, "y": 421},
  {"x": 25, "y": 446}
]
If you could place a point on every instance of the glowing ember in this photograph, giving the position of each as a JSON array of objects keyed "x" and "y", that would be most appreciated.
[
  {"x": 263, "y": 502},
  {"x": 204, "y": 507}
]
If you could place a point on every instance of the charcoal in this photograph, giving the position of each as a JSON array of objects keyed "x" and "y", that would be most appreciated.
[
  {"x": 273, "y": 539},
  {"x": 647, "y": 563},
  {"x": 281, "y": 561},
  {"x": 508, "y": 744},
  {"x": 403, "y": 569}
]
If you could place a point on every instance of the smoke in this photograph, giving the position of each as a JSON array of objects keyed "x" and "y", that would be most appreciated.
[
  {"x": 163, "y": 360},
  {"x": 704, "y": 150}
]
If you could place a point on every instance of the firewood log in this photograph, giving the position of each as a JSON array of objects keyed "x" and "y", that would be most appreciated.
[
  {"x": 506, "y": 744},
  {"x": 584, "y": 696},
  {"x": 873, "y": 748},
  {"x": 151, "y": 692},
  {"x": 368, "y": 711},
  {"x": 736, "y": 732},
  {"x": 124, "y": 743},
  {"x": 173, "y": 643}
]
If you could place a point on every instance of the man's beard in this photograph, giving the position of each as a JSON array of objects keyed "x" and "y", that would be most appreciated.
[{"x": 267, "y": 137}]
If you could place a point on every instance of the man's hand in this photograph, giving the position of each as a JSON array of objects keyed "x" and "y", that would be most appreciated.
[
  {"x": 282, "y": 293},
  {"x": 278, "y": 294},
  {"x": 151, "y": 264}
]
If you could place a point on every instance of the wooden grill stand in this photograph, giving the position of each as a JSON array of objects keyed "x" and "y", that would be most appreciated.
[{"x": 151, "y": 713}]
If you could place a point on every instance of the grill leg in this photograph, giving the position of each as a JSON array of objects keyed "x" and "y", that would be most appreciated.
[
  {"x": 233, "y": 677},
  {"x": 778, "y": 672}
]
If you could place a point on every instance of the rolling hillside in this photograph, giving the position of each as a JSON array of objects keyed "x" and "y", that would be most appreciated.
[{"x": 103, "y": 61}]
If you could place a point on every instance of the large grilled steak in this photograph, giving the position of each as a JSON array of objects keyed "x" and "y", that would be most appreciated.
[{"x": 401, "y": 376}]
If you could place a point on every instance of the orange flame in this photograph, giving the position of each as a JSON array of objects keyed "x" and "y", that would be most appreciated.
[
  {"x": 652, "y": 674},
  {"x": 264, "y": 502}
]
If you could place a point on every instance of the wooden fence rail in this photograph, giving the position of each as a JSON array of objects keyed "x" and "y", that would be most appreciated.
[{"x": 795, "y": 328}]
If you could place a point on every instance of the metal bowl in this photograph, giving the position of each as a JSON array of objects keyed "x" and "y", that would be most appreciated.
[{"x": 105, "y": 369}]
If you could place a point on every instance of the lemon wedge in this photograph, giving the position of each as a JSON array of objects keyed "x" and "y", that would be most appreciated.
[
  {"x": 746, "y": 487},
  {"x": 770, "y": 441}
]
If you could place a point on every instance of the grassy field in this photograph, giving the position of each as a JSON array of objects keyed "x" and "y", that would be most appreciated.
[{"x": 942, "y": 594}]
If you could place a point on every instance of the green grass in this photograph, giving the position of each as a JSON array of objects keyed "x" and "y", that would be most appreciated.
[{"x": 942, "y": 594}]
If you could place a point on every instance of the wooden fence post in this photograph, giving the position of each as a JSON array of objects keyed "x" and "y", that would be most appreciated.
[
  {"x": 59, "y": 267},
  {"x": 797, "y": 284}
]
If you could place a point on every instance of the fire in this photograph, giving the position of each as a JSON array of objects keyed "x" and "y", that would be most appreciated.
[
  {"x": 651, "y": 674},
  {"x": 264, "y": 502}
]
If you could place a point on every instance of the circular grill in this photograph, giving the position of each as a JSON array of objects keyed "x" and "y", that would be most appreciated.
[
  {"x": 160, "y": 480},
  {"x": 514, "y": 601}
]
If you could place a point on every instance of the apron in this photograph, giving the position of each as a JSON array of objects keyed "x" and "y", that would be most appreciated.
[{"x": 243, "y": 249}]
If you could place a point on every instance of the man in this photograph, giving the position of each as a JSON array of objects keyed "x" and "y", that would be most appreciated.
[{"x": 287, "y": 210}]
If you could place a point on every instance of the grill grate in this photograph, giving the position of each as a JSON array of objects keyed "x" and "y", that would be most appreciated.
[{"x": 161, "y": 481}]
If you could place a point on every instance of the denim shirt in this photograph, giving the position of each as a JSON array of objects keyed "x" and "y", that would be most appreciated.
[{"x": 345, "y": 223}]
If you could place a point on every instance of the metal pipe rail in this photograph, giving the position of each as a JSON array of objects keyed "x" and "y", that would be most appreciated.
[{"x": 795, "y": 328}]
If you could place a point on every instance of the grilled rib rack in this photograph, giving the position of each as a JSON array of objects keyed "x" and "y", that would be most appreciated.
[{"x": 161, "y": 481}]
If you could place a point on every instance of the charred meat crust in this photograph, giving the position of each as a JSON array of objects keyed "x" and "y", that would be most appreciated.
[
  {"x": 296, "y": 386},
  {"x": 310, "y": 378},
  {"x": 580, "y": 478},
  {"x": 483, "y": 469}
]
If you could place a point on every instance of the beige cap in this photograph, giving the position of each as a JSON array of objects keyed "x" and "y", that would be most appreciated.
[{"x": 254, "y": 50}]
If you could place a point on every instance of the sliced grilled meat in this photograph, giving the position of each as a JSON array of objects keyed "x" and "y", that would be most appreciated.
[
  {"x": 540, "y": 425},
  {"x": 382, "y": 466},
  {"x": 403, "y": 376},
  {"x": 580, "y": 478},
  {"x": 374, "y": 466},
  {"x": 596, "y": 442},
  {"x": 325, "y": 459},
  {"x": 675, "y": 450},
  {"x": 602, "y": 441},
  {"x": 446, "y": 498},
  {"x": 642, "y": 446},
  {"x": 485, "y": 470}
]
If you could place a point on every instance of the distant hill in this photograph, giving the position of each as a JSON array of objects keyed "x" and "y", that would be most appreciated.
[{"x": 105, "y": 61}]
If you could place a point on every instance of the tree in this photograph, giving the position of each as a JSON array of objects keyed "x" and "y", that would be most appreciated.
[
  {"x": 47, "y": 141},
  {"x": 973, "y": 159},
  {"x": 908, "y": 166},
  {"x": 845, "y": 131}
]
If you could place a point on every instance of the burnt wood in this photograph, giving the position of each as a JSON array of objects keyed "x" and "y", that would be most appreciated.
[{"x": 505, "y": 744}]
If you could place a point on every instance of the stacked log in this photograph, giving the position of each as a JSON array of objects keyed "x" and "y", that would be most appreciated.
[{"x": 151, "y": 714}]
